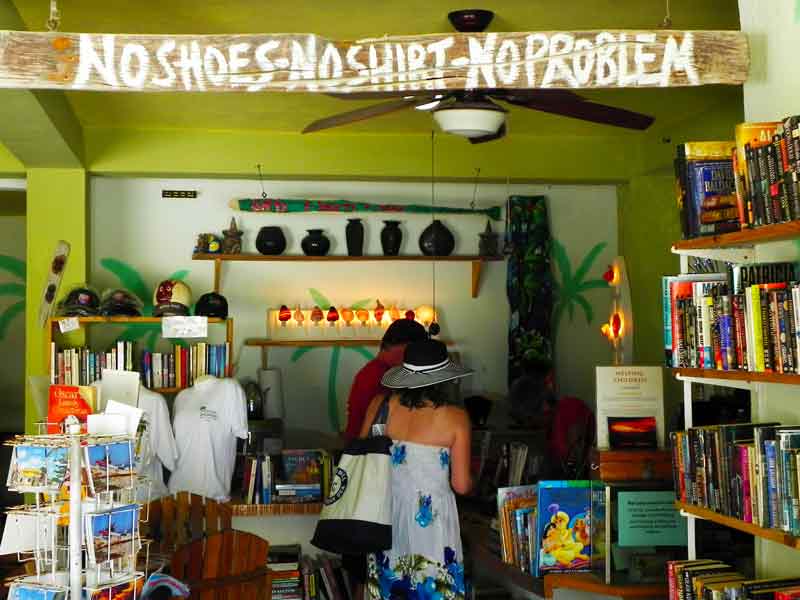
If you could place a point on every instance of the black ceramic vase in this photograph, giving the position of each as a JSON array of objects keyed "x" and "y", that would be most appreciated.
[
  {"x": 391, "y": 238},
  {"x": 270, "y": 240},
  {"x": 354, "y": 233},
  {"x": 315, "y": 243},
  {"x": 436, "y": 240}
]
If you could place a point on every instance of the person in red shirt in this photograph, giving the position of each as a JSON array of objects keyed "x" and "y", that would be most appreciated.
[
  {"x": 367, "y": 382},
  {"x": 568, "y": 421}
]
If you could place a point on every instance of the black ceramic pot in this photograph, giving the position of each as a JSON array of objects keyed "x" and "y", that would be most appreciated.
[
  {"x": 315, "y": 243},
  {"x": 270, "y": 240},
  {"x": 391, "y": 238},
  {"x": 437, "y": 240},
  {"x": 354, "y": 233}
]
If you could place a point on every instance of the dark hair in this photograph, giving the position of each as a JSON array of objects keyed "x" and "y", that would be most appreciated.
[
  {"x": 403, "y": 331},
  {"x": 417, "y": 398}
]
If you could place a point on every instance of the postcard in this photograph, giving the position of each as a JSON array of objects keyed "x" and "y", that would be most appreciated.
[
  {"x": 110, "y": 466},
  {"x": 128, "y": 590},
  {"x": 24, "y": 591},
  {"x": 112, "y": 534}
]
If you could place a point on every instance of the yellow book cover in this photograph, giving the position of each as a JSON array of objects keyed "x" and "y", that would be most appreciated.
[
  {"x": 758, "y": 338},
  {"x": 65, "y": 400},
  {"x": 708, "y": 150},
  {"x": 755, "y": 134}
]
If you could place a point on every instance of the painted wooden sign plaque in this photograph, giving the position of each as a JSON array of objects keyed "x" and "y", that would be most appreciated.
[{"x": 308, "y": 63}]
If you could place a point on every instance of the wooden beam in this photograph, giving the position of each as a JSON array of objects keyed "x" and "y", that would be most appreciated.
[{"x": 308, "y": 63}]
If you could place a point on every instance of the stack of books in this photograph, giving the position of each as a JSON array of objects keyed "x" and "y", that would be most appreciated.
[
  {"x": 183, "y": 365},
  {"x": 748, "y": 319},
  {"x": 706, "y": 187},
  {"x": 299, "y": 479},
  {"x": 767, "y": 161},
  {"x": 325, "y": 579},
  {"x": 706, "y": 579},
  {"x": 748, "y": 471},
  {"x": 284, "y": 562},
  {"x": 82, "y": 366}
]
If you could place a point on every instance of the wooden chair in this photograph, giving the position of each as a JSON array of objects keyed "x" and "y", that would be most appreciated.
[
  {"x": 231, "y": 565},
  {"x": 174, "y": 521}
]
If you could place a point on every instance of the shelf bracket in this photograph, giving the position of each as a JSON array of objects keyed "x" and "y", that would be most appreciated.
[
  {"x": 744, "y": 254},
  {"x": 477, "y": 265},
  {"x": 217, "y": 274}
]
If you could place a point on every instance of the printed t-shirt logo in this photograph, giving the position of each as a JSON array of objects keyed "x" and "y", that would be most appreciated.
[{"x": 338, "y": 486}]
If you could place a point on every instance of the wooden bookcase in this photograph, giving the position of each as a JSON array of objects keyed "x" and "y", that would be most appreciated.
[
  {"x": 52, "y": 332},
  {"x": 746, "y": 246}
]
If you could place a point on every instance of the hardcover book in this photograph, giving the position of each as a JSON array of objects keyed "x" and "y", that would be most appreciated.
[{"x": 65, "y": 400}]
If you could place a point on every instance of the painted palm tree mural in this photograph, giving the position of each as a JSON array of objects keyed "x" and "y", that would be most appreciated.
[
  {"x": 570, "y": 286},
  {"x": 12, "y": 289},
  {"x": 130, "y": 279},
  {"x": 333, "y": 367}
]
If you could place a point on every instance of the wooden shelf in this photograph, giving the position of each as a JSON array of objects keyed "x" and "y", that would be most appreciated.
[
  {"x": 267, "y": 343},
  {"x": 746, "y": 376},
  {"x": 474, "y": 259},
  {"x": 745, "y": 237},
  {"x": 267, "y": 510},
  {"x": 123, "y": 320},
  {"x": 589, "y": 582},
  {"x": 167, "y": 390},
  {"x": 343, "y": 258},
  {"x": 774, "y": 535}
]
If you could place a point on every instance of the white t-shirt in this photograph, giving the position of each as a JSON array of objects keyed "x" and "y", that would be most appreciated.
[
  {"x": 157, "y": 447},
  {"x": 209, "y": 417}
]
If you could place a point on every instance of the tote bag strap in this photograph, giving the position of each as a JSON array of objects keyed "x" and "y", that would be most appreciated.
[{"x": 381, "y": 418}]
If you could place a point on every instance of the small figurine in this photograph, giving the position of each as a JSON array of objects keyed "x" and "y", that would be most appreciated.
[
  {"x": 207, "y": 243},
  {"x": 488, "y": 242},
  {"x": 378, "y": 312},
  {"x": 333, "y": 316},
  {"x": 316, "y": 315},
  {"x": 362, "y": 314},
  {"x": 232, "y": 242},
  {"x": 347, "y": 315},
  {"x": 298, "y": 316},
  {"x": 284, "y": 314}
]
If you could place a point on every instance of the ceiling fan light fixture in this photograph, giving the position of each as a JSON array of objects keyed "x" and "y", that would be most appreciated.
[{"x": 470, "y": 121}]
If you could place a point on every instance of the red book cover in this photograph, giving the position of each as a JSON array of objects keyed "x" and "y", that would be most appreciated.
[
  {"x": 788, "y": 594},
  {"x": 678, "y": 289},
  {"x": 743, "y": 469},
  {"x": 65, "y": 400}
]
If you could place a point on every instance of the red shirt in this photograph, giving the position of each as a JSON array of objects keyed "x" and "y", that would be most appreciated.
[
  {"x": 366, "y": 385},
  {"x": 568, "y": 412}
]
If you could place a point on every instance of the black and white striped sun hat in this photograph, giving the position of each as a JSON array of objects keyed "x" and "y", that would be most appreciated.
[{"x": 424, "y": 363}]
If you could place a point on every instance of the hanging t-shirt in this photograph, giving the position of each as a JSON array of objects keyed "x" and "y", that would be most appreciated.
[
  {"x": 156, "y": 445},
  {"x": 209, "y": 417}
]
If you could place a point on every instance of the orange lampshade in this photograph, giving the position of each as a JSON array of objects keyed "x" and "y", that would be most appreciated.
[
  {"x": 284, "y": 314},
  {"x": 347, "y": 314},
  {"x": 362, "y": 314},
  {"x": 333, "y": 315}
]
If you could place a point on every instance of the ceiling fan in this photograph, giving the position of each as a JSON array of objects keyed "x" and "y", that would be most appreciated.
[{"x": 473, "y": 113}]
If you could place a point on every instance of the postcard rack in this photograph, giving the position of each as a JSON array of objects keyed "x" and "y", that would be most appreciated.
[{"x": 81, "y": 530}]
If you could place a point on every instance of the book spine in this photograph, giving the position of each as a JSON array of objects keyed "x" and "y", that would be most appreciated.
[
  {"x": 787, "y": 364},
  {"x": 751, "y": 169},
  {"x": 791, "y": 328},
  {"x": 766, "y": 333},
  {"x": 780, "y": 204},
  {"x": 682, "y": 190},
  {"x": 727, "y": 333},
  {"x": 770, "y": 453},
  {"x": 676, "y": 474},
  {"x": 744, "y": 467},
  {"x": 763, "y": 184},
  {"x": 741, "y": 341},
  {"x": 774, "y": 333}
]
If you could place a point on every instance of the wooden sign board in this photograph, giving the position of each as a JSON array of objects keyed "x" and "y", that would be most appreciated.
[{"x": 305, "y": 62}]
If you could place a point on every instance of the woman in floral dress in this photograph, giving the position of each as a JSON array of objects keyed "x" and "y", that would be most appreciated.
[{"x": 430, "y": 461}]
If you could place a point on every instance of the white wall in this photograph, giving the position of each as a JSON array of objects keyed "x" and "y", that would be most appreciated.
[
  {"x": 12, "y": 365},
  {"x": 771, "y": 93},
  {"x": 131, "y": 222}
]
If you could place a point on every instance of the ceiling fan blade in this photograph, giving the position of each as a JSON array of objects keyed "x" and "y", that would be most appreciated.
[
  {"x": 523, "y": 95},
  {"x": 361, "y": 114},
  {"x": 589, "y": 111},
  {"x": 491, "y": 137}
]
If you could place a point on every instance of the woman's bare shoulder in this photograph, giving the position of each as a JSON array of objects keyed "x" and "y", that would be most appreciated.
[{"x": 456, "y": 415}]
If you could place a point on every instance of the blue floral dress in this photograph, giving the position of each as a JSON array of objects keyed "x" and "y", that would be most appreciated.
[{"x": 426, "y": 560}]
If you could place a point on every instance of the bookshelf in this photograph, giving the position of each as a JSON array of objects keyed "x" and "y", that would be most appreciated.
[
  {"x": 476, "y": 261},
  {"x": 590, "y": 583},
  {"x": 724, "y": 377},
  {"x": 52, "y": 331},
  {"x": 774, "y": 535},
  {"x": 744, "y": 238}
]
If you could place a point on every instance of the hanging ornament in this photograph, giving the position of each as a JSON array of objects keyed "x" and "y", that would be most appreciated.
[
  {"x": 378, "y": 312},
  {"x": 316, "y": 315},
  {"x": 298, "y": 316},
  {"x": 347, "y": 315},
  {"x": 394, "y": 313},
  {"x": 362, "y": 314},
  {"x": 333, "y": 316},
  {"x": 284, "y": 314}
]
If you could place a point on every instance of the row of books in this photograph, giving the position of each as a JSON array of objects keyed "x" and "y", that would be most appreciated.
[
  {"x": 323, "y": 579},
  {"x": 748, "y": 471},
  {"x": 748, "y": 319},
  {"x": 183, "y": 365},
  {"x": 293, "y": 477},
  {"x": 81, "y": 366},
  {"x": 544, "y": 528},
  {"x": 706, "y": 579},
  {"x": 728, "y": 185},
  {"x": 284, "y": 562}
]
